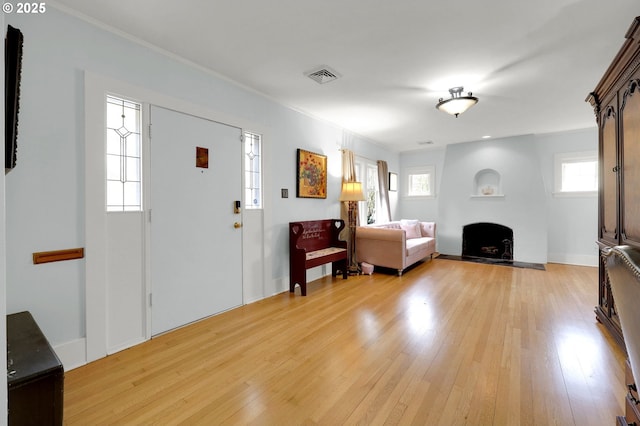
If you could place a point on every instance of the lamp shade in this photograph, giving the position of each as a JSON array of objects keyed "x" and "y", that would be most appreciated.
[
  {"x": 456, "y": 104},
  {"x": 351, "y": 191}
]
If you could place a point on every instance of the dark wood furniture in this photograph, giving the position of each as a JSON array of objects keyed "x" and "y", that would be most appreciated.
[
  {"x": 623, "y": 269},
  {"x": 631, "y": 415},
  {"x": 314, "y": 243},
  {"x": 616, "y": 102},
  {"x": 35, "y": 376}
]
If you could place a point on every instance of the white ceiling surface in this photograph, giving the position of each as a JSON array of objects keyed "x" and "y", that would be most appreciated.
[{"x": 531, "y": 63}]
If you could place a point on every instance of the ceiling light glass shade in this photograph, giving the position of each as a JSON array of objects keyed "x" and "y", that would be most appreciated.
[
  {"x": 351, "y": 191},
  {"x": 457, "y": 104}
]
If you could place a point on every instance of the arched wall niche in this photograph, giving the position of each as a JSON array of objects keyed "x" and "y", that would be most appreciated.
[{"x": 487, "y": 183}]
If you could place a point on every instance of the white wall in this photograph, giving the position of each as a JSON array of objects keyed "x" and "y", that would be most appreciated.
[
  {"x": 572, "y": 221},
  {"x": 522, "y": 207},
  {"x": 419, "y": 207},
  {"x": 549, "y": 228},
  {"x": 45, "y": 193},
  {"x": 307, "y": 133}
]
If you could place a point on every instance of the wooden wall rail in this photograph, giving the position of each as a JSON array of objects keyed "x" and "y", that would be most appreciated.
[{"x": 58, "y": 255}]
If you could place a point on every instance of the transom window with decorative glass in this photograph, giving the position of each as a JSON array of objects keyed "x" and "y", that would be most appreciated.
[
  {"x": 123, "y": 152},
  {"x": 576, "y": 173},
  {"x": 420, "y": 182},
  {"x": 252, "y": 170}
]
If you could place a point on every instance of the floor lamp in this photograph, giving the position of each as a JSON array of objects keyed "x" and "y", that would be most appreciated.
[{"x": 352, "y": 193}]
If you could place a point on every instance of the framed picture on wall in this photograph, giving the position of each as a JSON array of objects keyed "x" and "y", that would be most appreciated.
[
  {"x": 311, "y": 179},
  {"x": 393, "y": 181}
]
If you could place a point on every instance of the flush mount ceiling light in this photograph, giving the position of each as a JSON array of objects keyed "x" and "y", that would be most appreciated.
[{"x": 457, "y": 104}]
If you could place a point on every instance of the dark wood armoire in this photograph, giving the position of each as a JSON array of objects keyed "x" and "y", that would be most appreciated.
[{"x": 616, "y": 102}]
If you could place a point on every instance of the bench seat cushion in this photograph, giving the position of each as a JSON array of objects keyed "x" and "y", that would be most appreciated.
[{"x": 324, "y": 252}]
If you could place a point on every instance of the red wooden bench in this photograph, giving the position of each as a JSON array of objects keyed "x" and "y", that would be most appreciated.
[{"x": 314, "y": 243}]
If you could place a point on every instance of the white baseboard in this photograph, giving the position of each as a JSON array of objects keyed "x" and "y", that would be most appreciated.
[
  {"x": 126, "y": 345},
  {"x": 280, "y": 285},
  {"x": 72, "y": 354},
  {"x": 574, "y": 259}
]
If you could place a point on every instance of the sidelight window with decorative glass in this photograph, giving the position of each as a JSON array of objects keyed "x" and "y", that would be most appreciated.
[
  {"x": 252, "y": 170},
  {"x": 123, "y": 155}
]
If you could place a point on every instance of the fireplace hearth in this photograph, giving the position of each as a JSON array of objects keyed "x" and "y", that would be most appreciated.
[{"x": 488, "y": 241}]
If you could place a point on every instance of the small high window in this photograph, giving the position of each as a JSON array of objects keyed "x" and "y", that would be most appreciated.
[
  {"x": 123, "y": 152},
  {"x": 576, "y": 172},
  {"x": 421, "y": 182}
]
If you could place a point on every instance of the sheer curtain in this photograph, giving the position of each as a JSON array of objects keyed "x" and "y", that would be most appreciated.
[{"x": 383, "y": 186}]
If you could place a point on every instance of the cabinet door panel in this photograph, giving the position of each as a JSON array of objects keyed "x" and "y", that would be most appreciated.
[
  {"x": 630, "y": 162},
  {"x": 609, "y": 177}
]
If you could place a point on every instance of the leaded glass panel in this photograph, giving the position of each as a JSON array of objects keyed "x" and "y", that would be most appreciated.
[{"x": 123, "y": 158}]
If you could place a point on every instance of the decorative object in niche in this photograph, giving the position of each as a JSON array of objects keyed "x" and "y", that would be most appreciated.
[
  {"x": 311, "y": 179},
  {"x": 487, "y": 190},
  {"x": 487, "y": 183}
]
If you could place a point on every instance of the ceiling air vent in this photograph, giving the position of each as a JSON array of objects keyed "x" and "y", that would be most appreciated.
[{"x": 323, "y": 75}]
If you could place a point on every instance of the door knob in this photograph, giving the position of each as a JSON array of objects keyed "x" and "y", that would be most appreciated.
[{"x": 237, "y": 225}]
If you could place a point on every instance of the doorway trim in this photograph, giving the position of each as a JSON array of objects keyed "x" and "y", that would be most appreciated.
[{"x": 96, "y": 87}]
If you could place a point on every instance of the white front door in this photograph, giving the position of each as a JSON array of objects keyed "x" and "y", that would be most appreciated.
[{"x": 196, "y": 251}]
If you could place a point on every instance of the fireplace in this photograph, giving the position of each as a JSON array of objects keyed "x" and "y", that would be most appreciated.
[{"x": 487, "y": 240}]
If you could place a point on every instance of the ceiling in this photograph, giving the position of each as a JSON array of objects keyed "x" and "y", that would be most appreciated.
[{"x": 531, "y": 63}]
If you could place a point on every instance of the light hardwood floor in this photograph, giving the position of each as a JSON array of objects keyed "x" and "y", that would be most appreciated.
[{"x": 448, "y": 343}]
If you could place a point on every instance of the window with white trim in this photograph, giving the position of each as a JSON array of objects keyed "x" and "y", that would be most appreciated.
[
  {"x": 420, "y": 181},
  {"x": 576, "y": 173},
  {"x": 367, "y": 174},
  {"x": 252, "y": 170},
  {"x": 123, "y": 155},
  {"x": 371, "y": 194}
]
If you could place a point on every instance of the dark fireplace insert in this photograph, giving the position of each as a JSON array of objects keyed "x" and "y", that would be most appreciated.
[{"x": 487, "y": 240}]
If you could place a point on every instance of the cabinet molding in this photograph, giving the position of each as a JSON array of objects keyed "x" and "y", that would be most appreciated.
[
  {"x": 617, "y": 110},
  {"x": 616, "y": 104}
]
